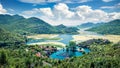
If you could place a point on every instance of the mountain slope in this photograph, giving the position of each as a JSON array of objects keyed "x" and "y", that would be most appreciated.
[
  {"x": 64, "y": 29},
  {"x": 22, "y": 25},
  {"x": 112, "y": 27},
  {"x": 7, "y": 38}
]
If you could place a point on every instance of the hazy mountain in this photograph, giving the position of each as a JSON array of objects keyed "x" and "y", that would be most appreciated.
[{"x": 61, "y": 26}]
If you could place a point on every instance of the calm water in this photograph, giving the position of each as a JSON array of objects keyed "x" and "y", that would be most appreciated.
[
  {"x": 62, "y": 54},
  {"x": 65, "y": 38}
]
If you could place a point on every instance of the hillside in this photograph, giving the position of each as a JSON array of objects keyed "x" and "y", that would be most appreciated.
[
  {"x": 101, "y": 56},
  {"x": 23, "y": 25},
  {"x": 62, "y": 28},
  {"x": 7, "y": 38},
  {"x": 112, "y": 27}
]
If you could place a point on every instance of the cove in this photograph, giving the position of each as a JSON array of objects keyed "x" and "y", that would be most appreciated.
[{"x": 61, "y": 54}]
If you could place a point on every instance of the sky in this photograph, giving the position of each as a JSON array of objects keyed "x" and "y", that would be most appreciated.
[{"x": 67, "y": 12}]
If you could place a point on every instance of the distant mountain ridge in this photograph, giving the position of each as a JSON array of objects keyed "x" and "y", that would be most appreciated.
[
  {"x": 23, "y": 25},
  {"x": 112, "y": 27},
  {"x": 89, "y": 24}
]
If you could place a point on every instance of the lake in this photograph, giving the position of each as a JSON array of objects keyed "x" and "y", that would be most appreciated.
[
  {"x": 65, "y": 38},
  {"x": 63, "y": 54}
]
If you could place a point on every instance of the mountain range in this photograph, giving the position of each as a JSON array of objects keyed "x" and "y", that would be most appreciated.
[{"x": 19, "y": 24}]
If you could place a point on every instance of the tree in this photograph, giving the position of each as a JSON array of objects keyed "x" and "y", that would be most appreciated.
[
  {"x": 3, "y": 58},
  {"x": 72, "y": 45}
]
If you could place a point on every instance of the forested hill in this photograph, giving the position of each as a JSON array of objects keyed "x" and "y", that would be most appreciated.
[
  {"x": 65, "y": 29},
  {"x": 7, "y": 38},
  {"x": 112, "y": 27},
  {"x": 22, "y": 25}
]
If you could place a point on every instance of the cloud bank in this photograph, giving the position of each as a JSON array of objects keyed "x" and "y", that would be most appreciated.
[
  {"x": 2, "y": 10},
  {"x": 61, "y": 14},
  {"x": 116, "y": 6}
]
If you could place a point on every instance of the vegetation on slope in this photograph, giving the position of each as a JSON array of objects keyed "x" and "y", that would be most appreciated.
[
  {"x": 101, "y": 56},
  {"x": 64, "y": 29},
  {"x": 22, "y": 25},
  {"x": 7, "y": 38},
  {"x": 112, "y": 27}
]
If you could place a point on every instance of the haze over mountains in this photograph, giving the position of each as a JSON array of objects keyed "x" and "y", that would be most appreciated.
[{"x": 89, "y": 24}]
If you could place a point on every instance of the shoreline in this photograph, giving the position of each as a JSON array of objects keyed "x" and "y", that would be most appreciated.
[
  {"x": 112, "y": 38},
  {"x": 44, "y": 43}
]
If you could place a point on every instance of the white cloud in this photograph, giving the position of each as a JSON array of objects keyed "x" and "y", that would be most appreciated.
[
  {"x": 47, "y": 11},
  {"x": 55, "y": 1},
  {"x": 116, "y": 6},
  {"x": 62, "y": 10},
  {"x": 107, "y": 7},
  {"x": 30, "y": 12},
  {"x": 32, "y": 1},
  {"x": 82, "y": 1},
  {"x": 75, "y": 1},
  {"x": 107, "y": 0},
  {"x": 114, "y": 15},
  {"x": 2, "y": 10},
  {"x": 91, "y": 15},
  {"x": 61, "y": 14},
  {"x": 38, "y": 12}
]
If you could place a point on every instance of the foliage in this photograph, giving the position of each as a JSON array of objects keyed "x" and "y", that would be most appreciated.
[
  {"x": 7, "y": 38},
  {"x": 87, "y": 43},
  {"x": 64, "y": 29},
  {"x": 101, "y": 56},
  {"x": 50, "y": 44}
]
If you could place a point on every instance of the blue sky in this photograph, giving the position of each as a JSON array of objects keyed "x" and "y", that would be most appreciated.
[{"x": 65, "y": 12}]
